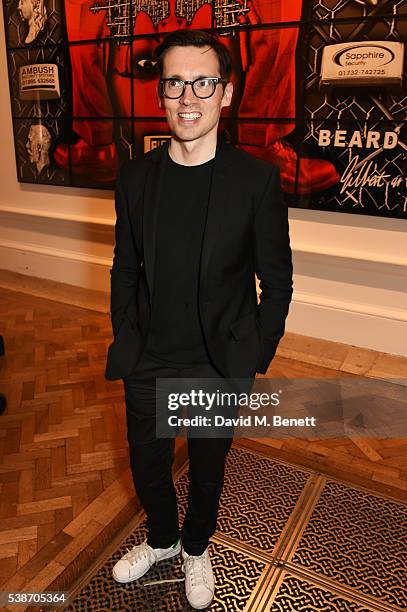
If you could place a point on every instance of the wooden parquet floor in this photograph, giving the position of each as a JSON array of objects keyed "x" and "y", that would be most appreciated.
[{"x": 65, "y": 483}]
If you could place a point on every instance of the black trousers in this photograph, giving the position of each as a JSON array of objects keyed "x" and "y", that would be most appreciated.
[{"x": 152, "y": 458}]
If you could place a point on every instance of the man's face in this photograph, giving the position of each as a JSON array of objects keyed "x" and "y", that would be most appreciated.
[
  {"x": 191, "y": 118},
  {"x": 26, "y": 9}
]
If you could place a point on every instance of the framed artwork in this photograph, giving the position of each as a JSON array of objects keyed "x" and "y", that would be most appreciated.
[{"x": 319, "y": 90}]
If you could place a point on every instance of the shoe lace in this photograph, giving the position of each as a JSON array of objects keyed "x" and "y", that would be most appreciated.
[
  {"x": 139, "y": 552},
  {"x": 195, "y": 565},
  {"x": 145, "y": 549},
  {"x": 150, "y": 582}
]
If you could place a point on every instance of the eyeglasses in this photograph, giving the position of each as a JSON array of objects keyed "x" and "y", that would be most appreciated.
[{"x": 204, "y": 87}]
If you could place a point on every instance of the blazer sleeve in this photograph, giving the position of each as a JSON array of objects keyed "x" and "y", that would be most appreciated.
[
  {"x": 273, "y": 261},
  {"x": 124, "y": 274}
]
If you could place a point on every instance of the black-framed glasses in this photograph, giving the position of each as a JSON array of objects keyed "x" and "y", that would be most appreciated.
[{"x": 203, "y": 87}]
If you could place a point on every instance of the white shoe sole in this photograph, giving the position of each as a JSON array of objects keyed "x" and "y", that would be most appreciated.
[
  {"x": 172, "y": 553},
  {"x": 201, "y": 607}
]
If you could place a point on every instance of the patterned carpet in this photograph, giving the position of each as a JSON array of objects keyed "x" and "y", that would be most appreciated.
[{"x": 288, "y": 539}]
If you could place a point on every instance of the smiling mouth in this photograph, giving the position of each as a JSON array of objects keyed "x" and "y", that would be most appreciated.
[{"x": 189, "y": 116}]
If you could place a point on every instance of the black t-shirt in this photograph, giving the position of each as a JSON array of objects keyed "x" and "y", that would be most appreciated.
[{"x": 175, "y": 335}]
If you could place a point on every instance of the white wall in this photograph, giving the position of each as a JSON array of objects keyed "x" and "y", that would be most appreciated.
[
  {"x": 51, "y": 232},
  {"x": 350, "y": 270}
]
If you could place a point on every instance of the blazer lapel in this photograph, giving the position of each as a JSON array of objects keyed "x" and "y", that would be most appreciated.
[
  {"x": 217, "y": 196},
  {"x": 151, "y": 202}
]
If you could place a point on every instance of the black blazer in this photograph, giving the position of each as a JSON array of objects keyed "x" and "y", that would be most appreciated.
[{"x": 246, "y": 233}]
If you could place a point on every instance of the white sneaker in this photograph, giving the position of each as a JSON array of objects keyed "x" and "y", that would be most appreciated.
[
  {"x": 199, "y": 582},
  {"x": 137, "y": 561}
]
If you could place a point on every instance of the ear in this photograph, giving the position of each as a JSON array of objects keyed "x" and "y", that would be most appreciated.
[{"x": 227, "y": 95}]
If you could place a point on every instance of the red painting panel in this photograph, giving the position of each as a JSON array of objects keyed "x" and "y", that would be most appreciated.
[
  {"x": 267, "y": 68},
  {"x": 84, "y": 21},
  {"x": 122, "y": 19}
]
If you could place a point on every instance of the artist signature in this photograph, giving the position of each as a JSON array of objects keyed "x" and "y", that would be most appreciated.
[{"x": 361, "y": 174}]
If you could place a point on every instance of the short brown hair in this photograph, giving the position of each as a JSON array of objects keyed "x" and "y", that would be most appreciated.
[{"x": 195, "y": 38}]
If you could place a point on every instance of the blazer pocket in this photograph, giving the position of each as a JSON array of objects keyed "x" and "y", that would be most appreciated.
[{"x": 244, "y": 326}]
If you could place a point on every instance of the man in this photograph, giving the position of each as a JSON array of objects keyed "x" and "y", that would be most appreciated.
[{"x": 196, "y": 220}]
